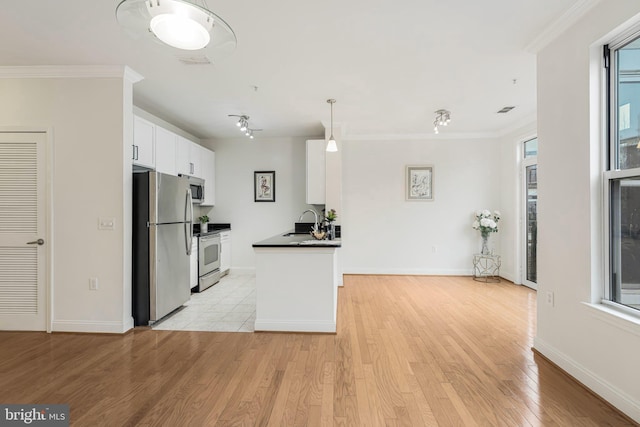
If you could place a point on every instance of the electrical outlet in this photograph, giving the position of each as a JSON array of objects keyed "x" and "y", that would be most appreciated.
[
  {"x": 106, "y": 224},
  {"x": 550, "y": 298},
  {"x": 434, "y": 249},
  {"x": 93, "y": 283}
]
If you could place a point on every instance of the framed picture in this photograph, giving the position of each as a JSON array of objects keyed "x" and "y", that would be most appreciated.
[
  {"x": 419, "y": 183},
  {"x": 264, "y": 186}
]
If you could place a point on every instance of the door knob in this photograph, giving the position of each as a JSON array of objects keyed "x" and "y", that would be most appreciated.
[{"x": 38, "y": 242}]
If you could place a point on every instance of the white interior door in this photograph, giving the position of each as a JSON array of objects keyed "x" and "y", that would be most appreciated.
[{"x": 22, "y": 231}]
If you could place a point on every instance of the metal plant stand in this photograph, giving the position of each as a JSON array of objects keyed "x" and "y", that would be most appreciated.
[{"x": 486, "y": 268}]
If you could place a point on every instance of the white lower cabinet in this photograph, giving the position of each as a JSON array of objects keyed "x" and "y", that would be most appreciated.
[
  {"x": 225, "y": 253},
  {"x": 194, "y": 263}
]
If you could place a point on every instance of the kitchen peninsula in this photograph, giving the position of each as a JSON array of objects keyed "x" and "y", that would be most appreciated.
[{"x": 296, "y": 284}]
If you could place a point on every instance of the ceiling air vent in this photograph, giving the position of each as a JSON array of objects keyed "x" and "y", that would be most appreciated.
[
  {"x": 194, "y": 60},
  {"x": 505, "y": 110}
]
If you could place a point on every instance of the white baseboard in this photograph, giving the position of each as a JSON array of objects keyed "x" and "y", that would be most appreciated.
[
  {"x": 294, "y": 326},
  {"x": 598, "y": 385},
  {"x": 411, "y": 271},
  {"x": 510, "y": 276},
  {"x": 109, "y": 327}
]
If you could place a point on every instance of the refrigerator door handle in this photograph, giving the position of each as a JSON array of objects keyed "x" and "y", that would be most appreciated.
[{"x": 188, "y": 222}]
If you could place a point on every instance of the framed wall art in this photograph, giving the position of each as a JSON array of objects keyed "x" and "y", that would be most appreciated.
[
  {"x": 419, "y": 183},
  {"x": 264, "y": 186}
]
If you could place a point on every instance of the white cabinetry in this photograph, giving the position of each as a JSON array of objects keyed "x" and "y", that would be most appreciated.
[
  {"x": 225, "y": 252},
  {"x": 143, "y": 143},
  {"x": 155, "y": 147},
  {"x": 193, "y": 269},
  {"x": 183, "y": 165},
  {"x": 195, "y": 156},
  {"x": 166, "y": 151},
  {"x": 208, "y": 171},
  {"x": 316, "y": 172},
  {"x": 188, "y": 157}
]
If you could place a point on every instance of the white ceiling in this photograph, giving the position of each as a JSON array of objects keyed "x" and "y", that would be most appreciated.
[{"x": 390, "y": 65}]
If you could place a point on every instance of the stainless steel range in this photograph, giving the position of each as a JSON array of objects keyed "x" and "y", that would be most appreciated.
[{"x": 208, "y": 261}]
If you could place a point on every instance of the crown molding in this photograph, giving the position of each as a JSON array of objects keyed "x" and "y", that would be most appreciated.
[
  {"x": 557, "y": 27},
  {"x": 420, "y": 137},
  {"x": 132, "y": 76},
  {"x": 523, "y": 124},
  {"x": 68, "y": 71}
]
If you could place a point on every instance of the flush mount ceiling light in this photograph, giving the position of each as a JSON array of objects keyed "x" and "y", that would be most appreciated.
[
  {"x": 243, "y": 124},
  {"x": 331, "y": 144},
  {"x": 180, "y": 24},
  {"x": 443, "y": 117}
]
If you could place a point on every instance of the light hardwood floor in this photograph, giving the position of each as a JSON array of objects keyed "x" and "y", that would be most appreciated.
[{"x": 410, "y": 350}]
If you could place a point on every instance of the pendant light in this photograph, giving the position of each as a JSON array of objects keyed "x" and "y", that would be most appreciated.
[{"x": 331, "y": 144}]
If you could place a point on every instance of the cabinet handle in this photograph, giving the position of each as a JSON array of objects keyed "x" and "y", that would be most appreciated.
[
  {"x": 191, "y": 168},
  {"x": 133, "y": 151}
]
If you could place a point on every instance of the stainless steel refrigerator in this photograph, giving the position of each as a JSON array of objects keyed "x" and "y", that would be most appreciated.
[{"x": 162, "y": 232}]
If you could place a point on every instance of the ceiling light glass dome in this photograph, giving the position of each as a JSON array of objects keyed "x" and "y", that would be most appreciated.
[{"x": 180, "y": 24}]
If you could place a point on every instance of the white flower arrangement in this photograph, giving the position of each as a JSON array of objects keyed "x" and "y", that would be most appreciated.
[{"x": 486, "y": 222}]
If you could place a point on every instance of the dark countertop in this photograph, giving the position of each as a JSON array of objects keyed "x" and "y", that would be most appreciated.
[
  {"x": 213, "y": 229},
  {"x": 289, "y": 239}
]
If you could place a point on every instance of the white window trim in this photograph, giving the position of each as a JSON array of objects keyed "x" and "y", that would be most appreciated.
[
  {"x": 610, "y": 311},
  {"x": 617, "y": 315}
]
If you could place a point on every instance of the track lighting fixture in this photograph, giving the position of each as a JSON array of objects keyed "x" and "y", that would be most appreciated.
[
  {"x": 243, "y": 124},
  {"x": 443, "y": 117}
]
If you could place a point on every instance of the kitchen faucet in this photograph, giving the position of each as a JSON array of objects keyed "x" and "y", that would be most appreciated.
[{"x": 315, "y": 215}]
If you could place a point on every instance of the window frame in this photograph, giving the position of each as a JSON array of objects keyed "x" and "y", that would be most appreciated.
[{"x": 611, "y": 171}]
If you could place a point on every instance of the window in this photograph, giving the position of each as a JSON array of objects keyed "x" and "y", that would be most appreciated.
[
  {"x": 530, "y": 220},
  {"x": 622, "y": 175},
  {"x": 531, "y": 148}
]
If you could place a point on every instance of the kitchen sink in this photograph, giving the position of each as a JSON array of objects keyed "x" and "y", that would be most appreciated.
[{"x": 295, "y": 234}]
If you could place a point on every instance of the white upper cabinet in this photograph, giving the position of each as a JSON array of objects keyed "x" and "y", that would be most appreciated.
[
  {"x": 188, "y": 156},
  {"x": 166, "y": 151},
  {"x": 155, "y": 147},
  {"x": 316, "y": 172},
  {"x": 143, "y": 143},
  {"x": 195, "y": 157},
  {"x": 183, "y": 162},
  {"x": 208, "y": 167}
]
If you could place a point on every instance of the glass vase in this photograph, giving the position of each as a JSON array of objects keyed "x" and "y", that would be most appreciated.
[{"x": 485, "y": 244}]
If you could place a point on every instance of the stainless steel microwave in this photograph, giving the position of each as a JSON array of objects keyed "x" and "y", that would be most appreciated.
[{"x": 197, "y": 189}]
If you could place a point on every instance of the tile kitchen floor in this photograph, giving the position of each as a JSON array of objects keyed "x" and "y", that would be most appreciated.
[{"x": 228, "y": 306}]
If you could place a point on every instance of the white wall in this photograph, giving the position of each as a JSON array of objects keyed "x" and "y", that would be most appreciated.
[
  {"x": 236, "y": 160},
  {"x": 383, "y": 233},
  {"x": 86, "y": 117},
  {"x": 598, "y": 348}
]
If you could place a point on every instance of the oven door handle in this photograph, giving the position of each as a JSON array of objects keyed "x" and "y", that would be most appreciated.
[{"x": 188, "y": 223}]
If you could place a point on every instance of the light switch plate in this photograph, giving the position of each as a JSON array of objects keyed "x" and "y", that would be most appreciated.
[{"x": 106, "y": 224}]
